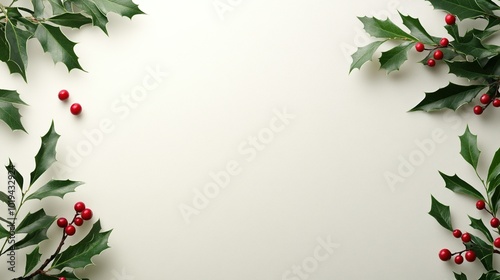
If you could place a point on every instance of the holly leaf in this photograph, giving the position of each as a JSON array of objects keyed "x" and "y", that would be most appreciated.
[
  {"x": 479, "y": 225},
  {"x": 457, "y": 185},
  {"x": 125, "y": 8},
  {"x": 384, "y": 29},
  {"x": 483, "y": 250},
  {"x": 392, "y": 59},
  {"x": 36, "y": 226},
  {"x": 57, "y": 188},
  {"x": 32, "y": 259},
  {"x": 495, "y": 197},
  {"x": 46, "y": 155},
  {"x": 364, "y": 54},
  {"x": 441, "y": 213},
  {"x": 417, "y": 30},
  {"x": 494, "y": 170},
  {"x": 18, "y": 56},
  {"x": 461, "y": 8},
  {"x": 57, "y": 7},
  {"x": 452, "y": 97},
  {"x": 80, "y": 255},
  {"x": 99, "y": 19},
  {"x": 473, "y": 47},
  {"x": 469, "y": 70},
  {"x": 491, "y": 275},
  {"x": 3, "y": 232},
  {"x": 11, "y": 169},
  {"x": 73, "y": 20},
  {"x": 4, "y": 198},
  {"x": 8, "y": 112},
  {"x": 38, "y": 8},
  {"x": 469, "y": 150},
  {"x": 4, "y": 45},
  {"x": 60, "y": 48},
  {"x": 460, "y": 276}
]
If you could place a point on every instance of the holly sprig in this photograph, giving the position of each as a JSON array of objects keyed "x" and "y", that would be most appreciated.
[
  {"x": 487, "y": 198},
  {"x": 44, "y": 21},
  {"x": 468, "y": 55},
  {"x": 32, "y": 228}
]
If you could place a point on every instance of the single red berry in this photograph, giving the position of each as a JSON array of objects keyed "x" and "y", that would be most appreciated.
[
  {"x": 445, "y": 254},
  {"x": 478, "y": 110},
  {"x": 450, "y": 19},
  {"x": 470, "y": 256},
  {"x": 485, "y": 98},
  {"x": 62, "y": 222},
  {"x": 63, "y": 94},
  {"x": 78, "y": 221},
  {"x": 480, "y": 204},
  {"x": 419, "y": 47},
  {"x": 496, "y": 243},
  {"x": 70, "y": 230},
  {"x": 75, "y": 109},
  {"x": 444, "y": 42},
  {"x": 62, "y": 278},
  {"x": 459, "y": 259},
  {"x": 457, "y": 233},
  {"x": 496, "y": 102},
  {"x": 466, "y": 237},
  {"x": 495, "y": 222},
  {"x": 431, "y": 62},
  {"x": 438, "y": 55},
  {"x": 87, "y": 214},
  {"x": 79, "y": 206}
]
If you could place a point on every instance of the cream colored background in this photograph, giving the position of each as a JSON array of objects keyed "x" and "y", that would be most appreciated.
[{"x": 320, "y": 177}]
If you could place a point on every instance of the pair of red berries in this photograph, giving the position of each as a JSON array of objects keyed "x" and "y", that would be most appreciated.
[
  {"x": 486, "y": 99},
  {"x": 445, "y": 255},
  {"x": 75, "y": 108},
  {"x": 82, "y": 214},
  {"x": 494, "y": 222}
]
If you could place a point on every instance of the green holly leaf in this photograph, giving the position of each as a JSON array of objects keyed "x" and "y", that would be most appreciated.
[
  {"x": 46, "y": 155},
  {"x": 80, "y": 255},
  {"x": 495, "y": 197},
  {"x": 3, "y": 232},
  {"x": 32, "y": 259},
  {"x": 452, "y": 97},
  {"x": 417, "y": 30},
  {"x": 58, "y": 45},
  {"x": 457, "y": 185},
  {"x": 494, "y": 170},
  {"x": 4, "y": 198},
  {"x": 491, "y": 275},
  {"x": 461, "y": 8},
  {"x": 36, "y": 226},
  {"x": 73, "y": 20},
  {"x": 57, "y": 188},
  {"x": 487, "y": 5},
  {"x": 469, "y": 150},
  {"x": 483, "y": 250},
  {"x": 364, "y": 54},
  {"x": 460, "y": 276},
  {"x": 38, "y": 8},
  {"x": 57, "y": 7},
  {"x": 473, "y": 48},
  {"x": 17, "y": 40},
  {"x": 384, "y": 29},
  {"x": 493, "y": 22},
  {"x": 4, "y": 45},
  {"x": 479, "y": 225},
  {"x": 392, "y": 59},
  {"x": 8, "y": 112},
  {"x": 453, "y": 32},
  {"x": 125, "y": 8},
  {"x": 469, "y": 70},
  {"x": 11, "y": 169},
  {"x": 99, "y": 19},
  {"x": 441, "y": 213}
]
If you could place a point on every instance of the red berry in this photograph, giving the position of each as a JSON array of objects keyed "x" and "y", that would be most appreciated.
[
  {"x": 70, "y": 230},
  {"x": 79, "y": 206},
  {"x": 431, "y": 62},
  {"x": 63, "y": 94},
  {"x": 445, "y": 254},
  {"x": 466, "y": 237},
  {"x": 450, "y": 19},
  {"x": 62, "y": 278},
  {"x": 480, "y": 204},
  {"x": 478, "y": 110},
  {"x": 457, "y": 233},
  {"x": 470, "y": 256},
  {"x": 495, "y": 222},
  {"x": 62, "y": 222},
  {"x": 496, "y": 102},
  {"x": 419, "y": 47},
  {"x": 459, "y": 259},
  {"x": 485, "y": 99},
  {"x": 438, "y": 55},
  {"x": 444, "y": 42},
  {"x": 496, "y": 243},
  {"x": 87, "y": 214},
  {"x": 75, "y": 109},
  {"x": 78, "y": 221}
]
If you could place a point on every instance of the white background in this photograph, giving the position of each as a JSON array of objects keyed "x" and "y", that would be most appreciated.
[{"x": 320, "y": 177}]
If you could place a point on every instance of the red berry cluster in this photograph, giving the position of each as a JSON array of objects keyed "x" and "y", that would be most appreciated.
[
  {"x": 75, "y": 108},
  {"x": 437, "y": 54},
  {"x": 445, "y": 254},
  {"x": 82, "y": 214},
  {"x": 486, "y": 99}
]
